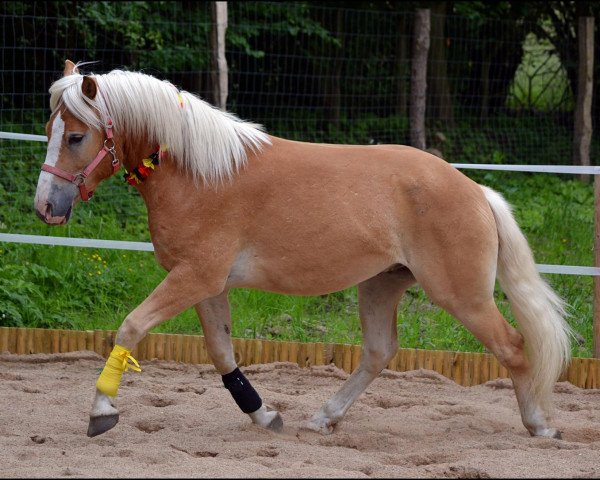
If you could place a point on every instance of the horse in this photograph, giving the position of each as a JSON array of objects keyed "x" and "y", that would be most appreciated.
[{"x": 230, "y": 206}]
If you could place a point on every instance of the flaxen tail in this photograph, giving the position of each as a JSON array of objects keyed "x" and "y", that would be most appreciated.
[{"x": 539, "y": 311}]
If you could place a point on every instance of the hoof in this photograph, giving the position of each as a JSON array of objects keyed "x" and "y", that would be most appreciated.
[
  {"x": 101, "y": 424},
  {"x": 320, "y": 425},
  {"x": 268, "y": 418},
  {"x": 547, "y": 433},
  {"x": 276, "y": 424}
]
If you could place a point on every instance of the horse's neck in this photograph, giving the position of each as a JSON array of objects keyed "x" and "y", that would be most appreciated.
[
  {"x": 165, "y": 185},
  {"x": 132, "y": 152}
]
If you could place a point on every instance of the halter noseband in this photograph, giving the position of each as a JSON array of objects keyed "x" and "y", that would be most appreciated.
[{"x": 79, "y": 178}]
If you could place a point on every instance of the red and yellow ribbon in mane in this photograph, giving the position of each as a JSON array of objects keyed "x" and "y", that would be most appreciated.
[{"x": 143, "y": 171}]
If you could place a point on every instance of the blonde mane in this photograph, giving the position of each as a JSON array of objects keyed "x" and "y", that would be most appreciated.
[{"x": 208, "y": 143}]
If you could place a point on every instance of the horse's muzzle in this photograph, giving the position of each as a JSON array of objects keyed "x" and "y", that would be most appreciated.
[{"x": 49, "y": 216}]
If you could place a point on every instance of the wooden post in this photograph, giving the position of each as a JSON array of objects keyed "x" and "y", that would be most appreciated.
[
  {"x": 218, "y": 12},
  {"x": 582, "y": 136},
  {"x": 418, "y": 81}
]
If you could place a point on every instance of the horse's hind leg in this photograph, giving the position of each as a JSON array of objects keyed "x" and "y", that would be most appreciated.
[
  {"x": 216, "y": 323},
  {"x": 378, "y": 300},
  {"x": 476, "y": 309},
  {"x": 506, "y": 343}
]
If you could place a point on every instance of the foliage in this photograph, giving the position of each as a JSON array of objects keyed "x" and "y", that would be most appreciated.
[
  {"x": 22, "y": 297},
  {"x": 541, "y": 82},
  {"x": 277, "y": 19},
  {"x": 153, "y": 33}
]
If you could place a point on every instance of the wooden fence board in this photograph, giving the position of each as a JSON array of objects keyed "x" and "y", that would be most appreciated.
[
  {"x": 320, "y": 356},
  {"x": 12, "y": 340},
  {"x": 4, "y": 339},
  {"x": 347, "y": 358},
  {"x": 465, "y": 368}
]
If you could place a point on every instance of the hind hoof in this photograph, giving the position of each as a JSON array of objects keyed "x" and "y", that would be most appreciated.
[
  {"x": 321, "y": 424},
  {"x": 99, "y": 425}
]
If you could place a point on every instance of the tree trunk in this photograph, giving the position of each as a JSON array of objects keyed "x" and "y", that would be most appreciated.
[
  {"x": 440, "y": 101},
  {"x": 218, "y": 13},
  {"x": 418, "y": 87},
  {"x": 582, "y": 136}
]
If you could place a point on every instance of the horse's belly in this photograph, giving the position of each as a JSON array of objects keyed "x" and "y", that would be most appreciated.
[{"x": 304, "y": 272}]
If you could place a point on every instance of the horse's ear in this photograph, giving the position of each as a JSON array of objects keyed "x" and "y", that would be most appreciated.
[
  {"x": 70, "y": 68},
  {"x": 89, "y": 87}
]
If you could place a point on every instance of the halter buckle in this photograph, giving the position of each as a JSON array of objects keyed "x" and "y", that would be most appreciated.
[
  {"x": 116, "y": 165},
  {"x": 110, "y": 148},
  {"x": 79, "y": 178}
]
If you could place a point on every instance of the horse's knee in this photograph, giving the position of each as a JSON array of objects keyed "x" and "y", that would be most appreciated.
[{"x": 130, "y": 333}]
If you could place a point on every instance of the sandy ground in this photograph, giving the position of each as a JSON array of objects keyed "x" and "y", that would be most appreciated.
[{"x": 179, "y": 421}]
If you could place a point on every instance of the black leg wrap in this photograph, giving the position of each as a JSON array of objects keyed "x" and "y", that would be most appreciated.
[{"x": 242, "y": 391}]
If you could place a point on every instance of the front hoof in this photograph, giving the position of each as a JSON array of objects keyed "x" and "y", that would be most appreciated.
[
  {"x": 99, "y": 425},
  {"x": 276, "y": 424},
  {"x": 547, "y": 433}
]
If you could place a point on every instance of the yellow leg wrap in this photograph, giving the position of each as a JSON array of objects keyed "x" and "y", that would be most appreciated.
[{"x": 117, "y": 363}]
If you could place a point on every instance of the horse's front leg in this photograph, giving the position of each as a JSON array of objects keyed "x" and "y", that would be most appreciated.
[
  {"x": 179, "y": 290},
  {"x": 215, "y": 317}
]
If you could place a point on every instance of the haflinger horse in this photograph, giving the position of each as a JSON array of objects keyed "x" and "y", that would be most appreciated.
[{"x": 230, "y": 206}]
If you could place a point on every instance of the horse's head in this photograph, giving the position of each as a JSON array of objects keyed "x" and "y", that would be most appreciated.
[{"x": 79, "y": 157}]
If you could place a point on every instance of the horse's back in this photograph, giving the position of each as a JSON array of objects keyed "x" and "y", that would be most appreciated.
[{"x": 348, "y": 212}]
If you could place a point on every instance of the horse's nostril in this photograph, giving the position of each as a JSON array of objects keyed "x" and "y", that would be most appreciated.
[
  {"x": 44, "y": 213},
  {"x": 49, "y": 208}
]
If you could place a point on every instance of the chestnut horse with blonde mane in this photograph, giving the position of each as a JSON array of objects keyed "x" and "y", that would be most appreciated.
[{"x": 230, "y": 206}]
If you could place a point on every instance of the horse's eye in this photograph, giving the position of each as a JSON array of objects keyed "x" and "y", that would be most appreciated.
[{"x": 75, "y": 139}]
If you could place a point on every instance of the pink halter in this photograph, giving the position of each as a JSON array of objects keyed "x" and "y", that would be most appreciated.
[{"x": 79, "y": 178}]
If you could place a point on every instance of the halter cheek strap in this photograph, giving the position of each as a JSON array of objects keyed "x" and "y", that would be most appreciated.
[{"x": 79, "y": 178}]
